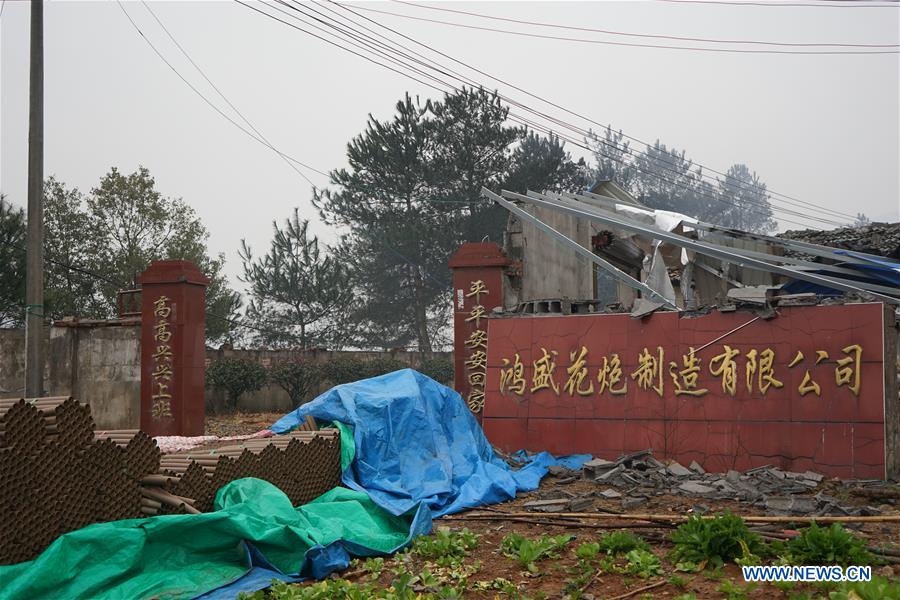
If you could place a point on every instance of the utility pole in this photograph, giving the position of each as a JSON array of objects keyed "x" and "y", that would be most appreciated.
[{"x": 34, "y": 265}]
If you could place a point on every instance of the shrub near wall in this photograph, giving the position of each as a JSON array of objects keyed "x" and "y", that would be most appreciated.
[
  {"x": 295, "y": 377},
  {"x": 439, "y": 369},
  {"x": 234, "y": 376}
]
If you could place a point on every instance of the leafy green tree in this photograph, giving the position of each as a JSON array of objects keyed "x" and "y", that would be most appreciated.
[
  {"x": 410, "y": 196},
  {"x": 665, "y": 178},
  {"x": 71, "y": 252},
  {"x": 298, "y": 294},
  {"x": 298, "y": 378},
  {"x": 12, "y": 264},
  {"x": 381, "y": 366},
  {"x": 97, "y": 244},
  {"x": 235, "y": 376},
  {"x": 745, "y": 202},
  {"x": 344, "y": 369}
]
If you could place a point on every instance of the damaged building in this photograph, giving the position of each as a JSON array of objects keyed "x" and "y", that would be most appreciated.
[
  {"x": 688, "y": 263},
  {"x": 606, "y": 327}
]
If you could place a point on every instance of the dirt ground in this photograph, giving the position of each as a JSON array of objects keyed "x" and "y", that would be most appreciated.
[
  {"x": 239, "y": 423},
  {"x": 703, "y": 585},
  {"x": 556, "y": 574}
]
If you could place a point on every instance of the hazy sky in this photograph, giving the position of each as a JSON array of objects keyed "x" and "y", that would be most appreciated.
[{"x": 824, "y": 129}]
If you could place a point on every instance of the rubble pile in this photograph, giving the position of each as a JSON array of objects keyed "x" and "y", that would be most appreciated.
[
  {"x": 882, "y": 239},
  {"x": 634, "y": 478},
  {"x": 57, "y": 474}
]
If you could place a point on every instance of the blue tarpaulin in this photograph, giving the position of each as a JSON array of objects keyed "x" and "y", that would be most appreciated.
[
  {"x": 416, "y": 446},
  {"x": 417, "y": 441}
]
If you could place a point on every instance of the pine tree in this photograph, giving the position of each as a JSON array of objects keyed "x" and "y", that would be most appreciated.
[{"x": 298, "y": 294}]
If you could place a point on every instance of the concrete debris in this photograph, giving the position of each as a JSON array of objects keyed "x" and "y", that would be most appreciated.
[
  {"x": 598, "y": 466},
  {"x": 557, "y": 471},
  {"x": 811, "y": 476},
  {"x": 693, "y": 487},
  {"x": 638, "y": 476},
  {"x": 558, "y": 505},
  {"x": 791, "y": 505},
  {"x": 632, "y": 502},
  {"x": 678, "y": 471},
  {"x": 565, "y": 504}
]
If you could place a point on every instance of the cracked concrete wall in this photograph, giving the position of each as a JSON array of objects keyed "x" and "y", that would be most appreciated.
[
  {"x": 97, "y": 365},
  {"x": 549, "y": 269}
]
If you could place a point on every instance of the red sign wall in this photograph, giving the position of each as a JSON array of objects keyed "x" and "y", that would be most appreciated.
[
  {"x": 173, "y": 319},
  {"x": 477, "y": 289},
  {"x": 804, "y": 390}
]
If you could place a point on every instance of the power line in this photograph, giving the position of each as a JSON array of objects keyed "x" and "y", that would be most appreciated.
[
  {"x": 643, "y": 35},
  {"x": 211, "y": 104},
  {"x": 227, "y": 101},
  {"x": 624, "y": 149},
  {"x": 628, "y": 44},
  {"x": 122, "y": 285},
  {"x": 845, "y": 4},
  {"x": 513, "y": 117},
  {"x": 521, "y": 120},
  {"x": 262, "y": 141}
]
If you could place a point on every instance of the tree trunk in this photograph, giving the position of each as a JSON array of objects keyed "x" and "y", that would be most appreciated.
[{"x": 421, "y": 313}]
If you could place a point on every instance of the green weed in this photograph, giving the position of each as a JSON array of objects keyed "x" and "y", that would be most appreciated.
[
  {"x": 528, "y": 552},
  {"x": 587, "y": 551},
  {"x": 734, "y": 591},
  {"x": 642, "y": 563},
  {"x": 826, "y": 546},
  {"x": 374, "y": 567},
  {"x": 621, "y": 542},
  {"x": 713, "y": 542},
  {"x": 879, "y": 588},
  {"x": 447, "y": 548}
]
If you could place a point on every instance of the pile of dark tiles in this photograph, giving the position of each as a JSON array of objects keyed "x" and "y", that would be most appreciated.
[
  {"x": 635, "y": 478},
  {"x": 882, "y": 239}
]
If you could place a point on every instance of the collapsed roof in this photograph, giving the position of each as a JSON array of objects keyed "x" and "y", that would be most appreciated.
[{"x": 677, "y": 262}]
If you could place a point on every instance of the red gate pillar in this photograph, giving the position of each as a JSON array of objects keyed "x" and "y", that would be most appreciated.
[
  {"x": 477, "y": 288},
  {"x": 173, "y": 349}
]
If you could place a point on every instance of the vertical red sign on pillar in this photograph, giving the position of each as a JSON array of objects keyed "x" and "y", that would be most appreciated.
[
  {"x": 173, "y": 336},
  {"x": 477, "y": 289}
]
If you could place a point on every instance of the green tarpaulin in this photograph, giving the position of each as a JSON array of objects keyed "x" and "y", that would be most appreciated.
[{"x": 182, "y": 556}]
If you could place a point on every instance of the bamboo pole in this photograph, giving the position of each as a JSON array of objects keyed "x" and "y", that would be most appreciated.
[{"x": 682, "y": 518}]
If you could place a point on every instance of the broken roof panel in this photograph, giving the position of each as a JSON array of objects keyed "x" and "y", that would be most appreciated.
[{"x": 735, "y": 256}]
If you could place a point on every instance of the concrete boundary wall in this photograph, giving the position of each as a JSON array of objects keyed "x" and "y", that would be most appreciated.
[{"x": 98, "y": 362}]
